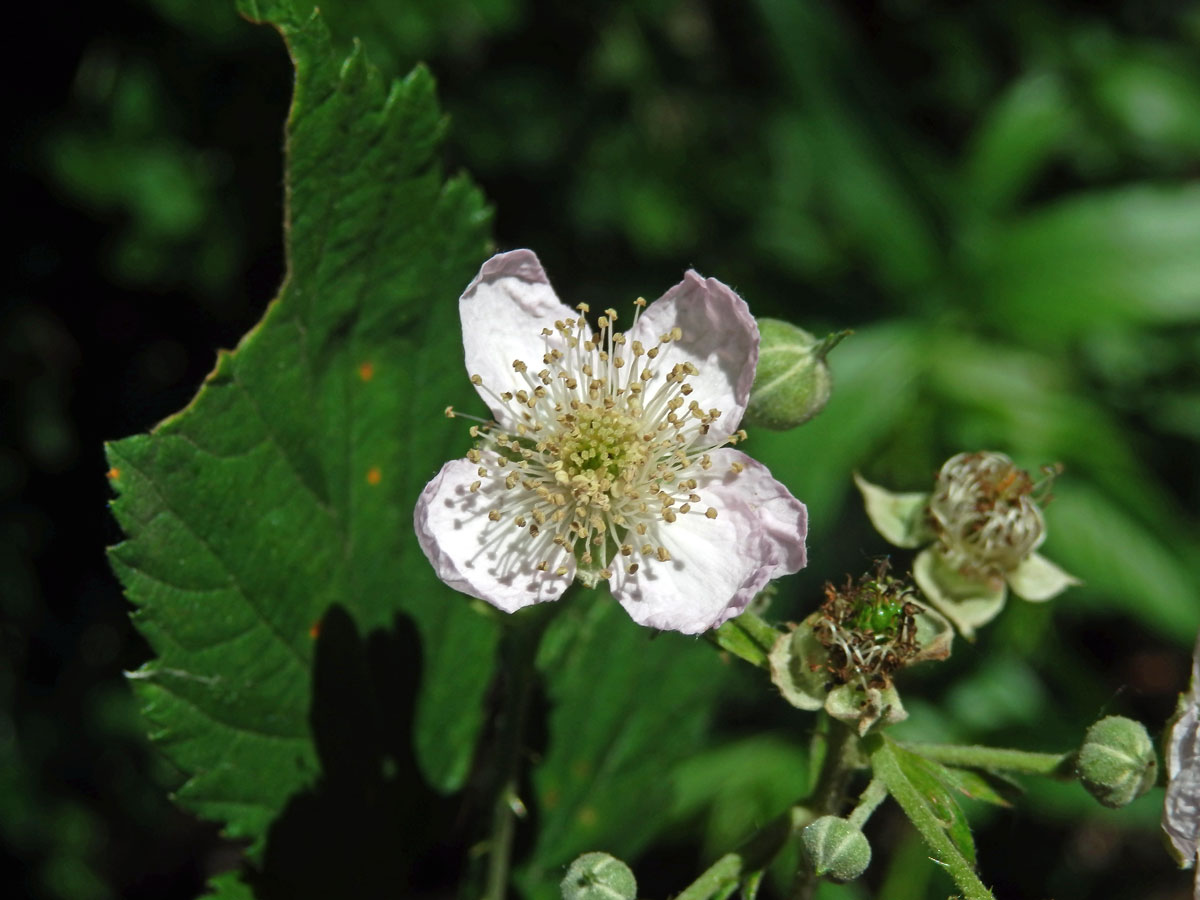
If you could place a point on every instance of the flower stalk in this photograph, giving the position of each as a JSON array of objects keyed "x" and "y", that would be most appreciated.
[
  {"x": 518, "y": 650},
  {"x": 828, "y": 796}
]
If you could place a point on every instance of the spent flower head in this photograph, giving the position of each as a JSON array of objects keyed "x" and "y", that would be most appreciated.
[
  {"x": 609, "y": 455},
  {"x": 843, "y": 656},
  {"x": 981, "y": 526}
]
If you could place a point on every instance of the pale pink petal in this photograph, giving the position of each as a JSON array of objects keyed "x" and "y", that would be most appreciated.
[
  {"x": 503, "y": 312},
  {"x": 716, "y": 566},
  {"x": 784, "y": 518},
  {"x": 720, "y": 338},
  {"x": 494, "y": 561}
]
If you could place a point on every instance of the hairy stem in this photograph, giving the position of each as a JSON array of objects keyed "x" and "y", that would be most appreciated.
[
  {"x": 868, "y": 801},
  {"x": 829, "y": 795}
]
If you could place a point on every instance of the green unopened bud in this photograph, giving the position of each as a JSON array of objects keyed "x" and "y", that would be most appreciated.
[
  {"x": 792, "y": 383},
  {"x": 598, "y": 876},
  {"x": 1117, "y": 763},
  {"x": 836, "y": 849}
]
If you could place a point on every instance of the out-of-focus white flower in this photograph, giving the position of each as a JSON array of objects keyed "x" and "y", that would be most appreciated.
[
  {"x": 1181, "y": 804},
  {"x": 607, "y": 457},
  {"x": 983, "y": 526}
]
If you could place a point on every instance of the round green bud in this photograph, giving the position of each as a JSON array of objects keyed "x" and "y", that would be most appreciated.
[
  {"x": 598, "y": 876},
  {"x": 836, "y": 849},
  {"x": 792, "y": 383},
  {"x": 1117, "y": 763}
]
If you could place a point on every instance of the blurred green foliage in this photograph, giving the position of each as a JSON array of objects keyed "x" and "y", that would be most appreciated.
[{"x": 1001, "y": 199}]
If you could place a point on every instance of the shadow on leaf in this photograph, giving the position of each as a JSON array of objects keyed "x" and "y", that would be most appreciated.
[{"x": 371, "y": 826}]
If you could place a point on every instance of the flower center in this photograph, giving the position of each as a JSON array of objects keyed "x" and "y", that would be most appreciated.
[
  {"x": 600, "y": 444},
  {"x": 869, "y": 628},
  {"x": 985, "y": 515},
  {"x": 601, "y": 448}
]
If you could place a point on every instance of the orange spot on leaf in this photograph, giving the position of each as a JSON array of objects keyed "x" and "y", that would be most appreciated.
[
  {"x": 114, "y": 473},
  {"x": 366, "y": 371},
  {"x": 314, "y": 630},
  {"x": 374, "y": 476}
]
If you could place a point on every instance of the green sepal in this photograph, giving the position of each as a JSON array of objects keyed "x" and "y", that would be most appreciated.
[
  {"x": 900, "y": 518},
  {"x": 1037, "y": 579},
  {"x": 967, "y": 603},
  {"x": 798, "y": 668},
  {"x": 797, "y": 663},
  {"x": 747, "y": 637}
]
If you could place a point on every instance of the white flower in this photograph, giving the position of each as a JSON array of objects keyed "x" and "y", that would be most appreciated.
[{"x": 606, "y": 456}]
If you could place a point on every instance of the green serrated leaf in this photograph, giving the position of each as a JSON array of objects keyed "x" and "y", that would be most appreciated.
[
  {"x": 625, "y": 706},
  {"x": 987, "y": 787},
  {"x": 934, "y": 781},
  {"x": 288, "y": 484},
  {"x": 920, "y": 787}
]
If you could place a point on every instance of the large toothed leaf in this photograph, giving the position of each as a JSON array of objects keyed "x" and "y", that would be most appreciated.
[{"x": 288, "y": 484}]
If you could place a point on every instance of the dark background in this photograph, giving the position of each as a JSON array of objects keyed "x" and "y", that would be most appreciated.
[{"x": 623, "y": 141}]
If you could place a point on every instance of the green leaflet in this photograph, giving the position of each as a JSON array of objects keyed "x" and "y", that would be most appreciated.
[
  {"x": 625, "y": 706},
  {"x": 288, "y": 484},
  {"x": 922, "y": 792}
]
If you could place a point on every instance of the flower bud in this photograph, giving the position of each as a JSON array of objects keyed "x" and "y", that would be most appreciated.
[
  {"x": 792, "y": 383},
  {"x": 836, "y": 849},
  {"x": 1117, "y": 763},
  {"x": 598, "y": 876}
]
